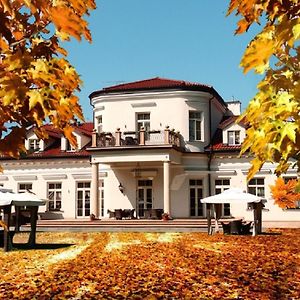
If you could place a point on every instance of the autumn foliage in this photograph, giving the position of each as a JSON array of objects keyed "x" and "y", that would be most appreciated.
[
  {"x": 285, "y": 194},
  {"x": 37, "y": 82},
  {"x": 153, "y": 266},
  {"x": 273, "y": 114}
]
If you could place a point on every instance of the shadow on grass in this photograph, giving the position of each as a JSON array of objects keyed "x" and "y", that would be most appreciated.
[
  {"x": 19, "y": 246},
  {"x": 271, "y": 233}
]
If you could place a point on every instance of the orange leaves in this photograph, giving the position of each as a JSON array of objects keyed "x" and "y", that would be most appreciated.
[
  {"x": 36, "y": 83},
  {"x": 285, "y": 194},
  {"x": 153, "y": 266}
]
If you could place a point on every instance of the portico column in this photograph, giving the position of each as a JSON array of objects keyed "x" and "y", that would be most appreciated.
[
  {"x": 167, "y": 208},
  {"x": 95, "y": 190}
]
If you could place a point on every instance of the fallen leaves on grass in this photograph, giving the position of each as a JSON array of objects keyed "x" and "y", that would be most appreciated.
[{"x": 156, "y": 266}]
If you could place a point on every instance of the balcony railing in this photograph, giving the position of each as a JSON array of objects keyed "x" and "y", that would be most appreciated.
[{"x": 132, "y": 138}]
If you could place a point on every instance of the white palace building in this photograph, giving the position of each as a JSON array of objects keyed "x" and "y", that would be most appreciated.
[{"x": 154, "y": 144}]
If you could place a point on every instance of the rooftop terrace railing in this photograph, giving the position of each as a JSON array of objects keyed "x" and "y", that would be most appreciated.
[{"x": 132, "y": 138}]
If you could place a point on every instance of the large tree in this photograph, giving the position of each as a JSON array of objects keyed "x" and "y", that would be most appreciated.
[
  {"x": 273, "y": 115},
  {"x": 37, "y": 82}
]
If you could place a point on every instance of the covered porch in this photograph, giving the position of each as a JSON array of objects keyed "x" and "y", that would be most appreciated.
[{"x": 138, "y": 180}]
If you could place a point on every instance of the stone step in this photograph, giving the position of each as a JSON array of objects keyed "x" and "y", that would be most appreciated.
[{"x": 178, "y": 223}]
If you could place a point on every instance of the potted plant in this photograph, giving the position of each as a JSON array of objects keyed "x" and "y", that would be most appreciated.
[{"x": 165, "y": 217}]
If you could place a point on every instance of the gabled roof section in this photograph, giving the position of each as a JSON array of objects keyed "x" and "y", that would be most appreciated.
[
  {"x": 218, "y": 145},
  {"x": 158, "y": 83},
  {"x": 83, "y": 128},
  {"x": 230, "y": 120},
  {"x": 217, "y": 140}
]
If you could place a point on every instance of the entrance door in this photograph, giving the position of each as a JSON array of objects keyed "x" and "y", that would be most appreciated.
[
  {"x": 145, "y": 199},
  {"x": 83, "y": 199},
  {"x": 196, "y": 194}
]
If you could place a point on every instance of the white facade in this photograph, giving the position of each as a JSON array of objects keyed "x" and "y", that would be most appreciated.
[{"x": 163, "y": 147}]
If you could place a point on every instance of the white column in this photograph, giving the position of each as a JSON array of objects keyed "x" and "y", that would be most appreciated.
[
  {"x": 167, "y": 208},
  {"x": 95, "y": 190}
]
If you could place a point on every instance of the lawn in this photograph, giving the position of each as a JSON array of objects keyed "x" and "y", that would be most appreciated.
[{"x": 153, "y": 266}]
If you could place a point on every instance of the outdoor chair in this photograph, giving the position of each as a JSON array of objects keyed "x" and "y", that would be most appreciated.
[
  {"x": 226, "y": 227},
  {"x": 128, "y": 213},
  {"x": 111, "y": 214},
  {"x": 246, "y": 227},
  {"x": 118, "y": 214},
  {"x": 235, "y": 227}
]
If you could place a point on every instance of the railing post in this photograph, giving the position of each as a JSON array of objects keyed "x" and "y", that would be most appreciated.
[
  {"x": 94, "y": 138},
  {"x": 118, "y": 137},
  {"x": 167, "y": 135},
  {"x": 142, "y": 136},
  {"x": 177, "y": 139}
]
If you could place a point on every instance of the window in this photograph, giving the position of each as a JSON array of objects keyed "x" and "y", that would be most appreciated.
[
  {"x": 145, "y": 197},
  {"x": 99, "y": 124},
  {"x": 24, "y": 187},
  {"x": 196, "y": 194},
  {"x": 234, "y": 137},
  {"x": 143, "y": 120},
  {"x": 69, "y": 147},
  {"x": 222, "y": 185},
  {"x": 83, "y": 199},
  {"x": 54, "y": 196},
  {"x": 256, "y": 186},
  {"x": 286, "y": 179},
  {"x": 101, "y": 198},
  {"x": 195, "y": 121},
  {"x": 33, "y": 144}
]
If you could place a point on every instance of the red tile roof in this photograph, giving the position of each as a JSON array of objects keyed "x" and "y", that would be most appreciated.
[
  {"x": 217, "y": 140},
  {"x": 54, "y": 150},
  {"x": 158, "y": 83},
  {"x": 218, "y": 145}
]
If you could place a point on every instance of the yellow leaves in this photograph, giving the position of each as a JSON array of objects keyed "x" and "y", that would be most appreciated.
[
  {"x": 32, "y": 79},
  {"x": 273, "y": 115},
  {"x": 259, "y": 51},
  {"x": 296, "y": 31},
  {"x": 284, "y": 194},
  {"x": 3, "y": 225},
  {"x": 34, "y": 98}
]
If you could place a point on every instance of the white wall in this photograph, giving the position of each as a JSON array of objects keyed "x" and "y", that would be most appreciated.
[{"x": 165, "y": 108}]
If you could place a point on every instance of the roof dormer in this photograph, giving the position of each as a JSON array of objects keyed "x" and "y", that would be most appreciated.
[
  {"x": 233, "y": 134},
  {"x": 33, "y": 143}
]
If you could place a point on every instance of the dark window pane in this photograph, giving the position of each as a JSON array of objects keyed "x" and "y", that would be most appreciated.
[{"x": 260, "y": 181}]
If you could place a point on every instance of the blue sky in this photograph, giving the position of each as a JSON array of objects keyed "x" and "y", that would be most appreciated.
[{"x": 189, "y": 40}]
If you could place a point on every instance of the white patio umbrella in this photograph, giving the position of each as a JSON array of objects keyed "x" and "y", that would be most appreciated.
[
  {"x": 232, "y": 195},
  {"x": 20, "y": 199}
]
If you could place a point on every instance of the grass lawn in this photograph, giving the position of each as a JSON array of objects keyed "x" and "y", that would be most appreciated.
[{"x": 153, "y": 266}]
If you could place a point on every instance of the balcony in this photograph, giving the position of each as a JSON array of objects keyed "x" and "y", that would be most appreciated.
[{"x": 141, "y": 138}]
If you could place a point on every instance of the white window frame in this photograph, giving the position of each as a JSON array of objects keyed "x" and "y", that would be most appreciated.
[
  {"x": 223, "y": 186},
  {"x": 33, "y": 144},
  {"x": 198, "y": 185},
  {"x": 85, "y": 188},
  {"x": 99, "y": 120},
  {"x": 101, "y": 197},
  {"x": 195, "y": 125},
  {"x": 56, "y": 192},
  {"x": 142, "y": 122},
  {"x": 254, "y": 186},
  {"x": 234, "y": 137},
  {"x": 27, "y": 187}
]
